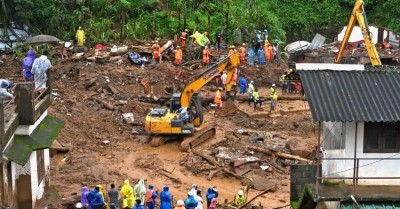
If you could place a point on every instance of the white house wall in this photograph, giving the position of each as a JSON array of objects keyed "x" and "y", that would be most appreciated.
[
  {"x": 370, "y": 168},
  {"x": 373, "y": 168}
]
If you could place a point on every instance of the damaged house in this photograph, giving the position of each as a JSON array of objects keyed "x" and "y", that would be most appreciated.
[
  {"x": 359, "y": 149},
  {"x": 26, "y": 133}
]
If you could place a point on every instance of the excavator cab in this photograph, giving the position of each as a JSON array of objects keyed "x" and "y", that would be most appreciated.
[{"x": 194, "y": 111}]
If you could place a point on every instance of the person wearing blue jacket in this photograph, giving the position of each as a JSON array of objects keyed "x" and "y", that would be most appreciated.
[
  {"x": 151, "y": 195},
  {"x": 242, "y": 85},
  {"x": 95, "y": 199},
  {"x": 190, "y": 202},
  {"x": 261, "y": 56},
  {"x": 165, "y": 198},
  {"x": 250, "y": 55},
  {"x": 211, "y": 193}
]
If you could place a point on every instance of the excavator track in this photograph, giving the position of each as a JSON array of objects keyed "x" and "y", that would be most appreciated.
[
  {"x": 157, "y": 141},
  {"x": 197, "y": 138}
]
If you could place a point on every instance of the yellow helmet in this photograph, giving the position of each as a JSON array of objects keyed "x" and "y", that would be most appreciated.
[
  {"x": 156, "y": 41},
  {"x": 244, "y": 44}
]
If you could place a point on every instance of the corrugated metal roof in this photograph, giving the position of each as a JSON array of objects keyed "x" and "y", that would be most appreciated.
[
  {"x": 370, "y": 205},
  {"x": 317, "y": 42},
  {"x": 370, "y": 95}
]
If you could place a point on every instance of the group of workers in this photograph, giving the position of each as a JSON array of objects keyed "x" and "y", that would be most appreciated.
[{"x": 140, "y": 197}]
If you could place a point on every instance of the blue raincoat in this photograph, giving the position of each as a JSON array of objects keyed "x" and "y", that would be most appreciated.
[
  {"x": 250, "y": 54},
  {"x": 261, "y": 56},
  {"x": 138, "y": 206},
  {"x": 27, "y": 65},
  {"x": 210, "y": 195},
  {"x": 165, "y": 198},
  {"x": 151, "y": 195},
  {"x": 191, "y": 202},
  {"x": 242, "y": 85},
  {"x": 95, "y": 199}
]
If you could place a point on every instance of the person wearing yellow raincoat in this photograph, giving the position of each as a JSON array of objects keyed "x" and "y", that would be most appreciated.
[
  {"x": 80, "y": 36},
  {"x": 127, "y": 194},
  {"x": 102, "y": 195}
]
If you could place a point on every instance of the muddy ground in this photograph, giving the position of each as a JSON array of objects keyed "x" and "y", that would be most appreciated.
[{"x": 92, "y": 96}]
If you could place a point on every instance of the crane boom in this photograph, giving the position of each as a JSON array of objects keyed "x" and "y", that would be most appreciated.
[{"x": 358, "y": 14}]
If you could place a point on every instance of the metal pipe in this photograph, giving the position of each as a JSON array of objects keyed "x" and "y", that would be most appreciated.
[
  {"x": 318, "y": 160},
  {"x": 355, "y": 157}
]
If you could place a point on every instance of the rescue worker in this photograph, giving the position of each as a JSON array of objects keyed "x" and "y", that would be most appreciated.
[
  {"x": 95, "y": 199},
  {"x": 151, "y": 196},
  {"x": 283, "y": 81},
  {"x": 156, "y": 51},
  {"x": 261, "y": 56},
  {"x": 140, "y": 191},
  {"x": 256, "y": 100},
  {"x": 242, "y": 85},
  {"x": 80, "y": 36},
  {"x": 218, "y": 40},
  {"x": 218, "y": 98},
  {"x": 272, "y": 90},
  {"x": 250, "y": 91},
  {"x": 182, "y": 38},
  {"x": 101, "y": 191},
  {"x": 250, "y": 55},
  {"x": 239, "y": 197},
  {"x": 224, "y": 76},
  {"x": 274, "y": 98},
  {"x": 242, "y": 52},
  {"x": 178, "y": 55},
  {"x": 127, "y": 195},
  {"x": 232, "y": 50},
  {"x": 269, "y": 52},
  {"x": 180, "y": 204},
  {"x": 206, "y": 55},
  {"x": 165, "y": 198},
  {"x": 190, "y": 202},
  {"x": 193, "y": 189}
]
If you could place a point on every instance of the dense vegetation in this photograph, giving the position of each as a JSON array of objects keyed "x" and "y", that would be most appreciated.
[{"x": 116, "y": 20}]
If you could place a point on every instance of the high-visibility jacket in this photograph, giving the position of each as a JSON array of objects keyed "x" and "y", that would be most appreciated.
[
  {"x": 231, "y": 51},
  {"x": 178, "y": 56},
  {"x": 239, "y": 200},
  {"x": 271, "y": 91},
  {"x": 269, "y": 53},
  {"x": 242, "y": 53},
  {"x": 182, "y": 39},
  {"x": 206, "y": 55},
  {"x": 256, "y": 96},
  {"x": 156, "y": 51}
]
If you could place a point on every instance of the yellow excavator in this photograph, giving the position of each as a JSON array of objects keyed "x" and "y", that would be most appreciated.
[
  {"x": 358, "y": 14},
  {"x": 184, "y": 118}
]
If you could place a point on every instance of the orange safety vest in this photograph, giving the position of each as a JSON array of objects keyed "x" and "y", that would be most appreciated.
[
  {"x": 270, "y": 52},
  {"x": 217, "y": 98},
  {"x": 206, "y": 55},
  {"x": 156, "y": 50},
  {"x": 149, "y": 194},
  {"x": 242, "y": 52},
  {"x": 178, "y": 56},
  {"x": 182, "y": 39}
]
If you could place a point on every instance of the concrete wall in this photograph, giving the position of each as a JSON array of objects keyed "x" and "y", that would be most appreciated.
[
  {"x": 368, "y": 168},
  {"x": 299, "y": 176}
]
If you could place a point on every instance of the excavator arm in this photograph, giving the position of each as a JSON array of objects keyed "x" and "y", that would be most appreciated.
[
  {"x": 358, "y": 14},
  {"x": 229, "y": 64}
]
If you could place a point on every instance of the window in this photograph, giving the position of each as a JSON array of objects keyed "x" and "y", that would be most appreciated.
[
  {"x": 381, "y": 137},
  {"x": 40, "y": 165}
]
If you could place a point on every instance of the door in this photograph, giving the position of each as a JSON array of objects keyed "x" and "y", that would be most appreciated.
[{"x": 24, "y": 192}]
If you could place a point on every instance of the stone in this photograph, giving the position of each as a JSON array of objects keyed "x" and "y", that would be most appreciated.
[
  {"x": 128, "y": 118},
  {"x": 296, "y": 148}
]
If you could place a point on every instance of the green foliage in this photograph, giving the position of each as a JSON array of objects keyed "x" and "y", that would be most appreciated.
[{"x": 112, "y": 20}]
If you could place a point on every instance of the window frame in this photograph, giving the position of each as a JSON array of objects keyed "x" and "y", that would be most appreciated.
[{"x": 382, "y": 127}]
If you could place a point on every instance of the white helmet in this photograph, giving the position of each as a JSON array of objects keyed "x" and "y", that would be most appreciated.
[
  {"x": 273, "y": 85},
  {"x": 251, "y": 82},
  {"x": 240, "y": 192},
  {"x": 78, "y": 205},
  {"x": 180, "y": 202}
]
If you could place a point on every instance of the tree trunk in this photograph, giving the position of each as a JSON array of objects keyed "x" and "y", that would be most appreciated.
[
  {"x": 179, "y": 19},
  {"x": 208, "y": 21},
  {"x": 153, "y": 25},
  {"x": 122, "y": 26},
  {"x": 185, "y": 15}
]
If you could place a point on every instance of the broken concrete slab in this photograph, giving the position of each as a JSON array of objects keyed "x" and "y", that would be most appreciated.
[{"x": 262, "y": 183}]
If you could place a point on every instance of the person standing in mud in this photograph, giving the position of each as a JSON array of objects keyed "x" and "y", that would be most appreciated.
[
  {"x": 127, "y": 194},
  {"x": 218, "y": 99},
  {"x": 178, "y": 55},
  {"x": 151, "y": 196},
  {"x": 140, "y": 191},
  {"x": 166, "y": 198}
]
